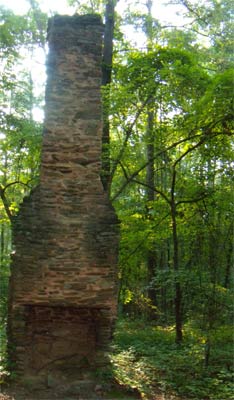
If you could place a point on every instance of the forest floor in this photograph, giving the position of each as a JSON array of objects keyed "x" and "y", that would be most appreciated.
[
  {"x": 146, "y": 364},
  {"x": 22, "y": 394},
  {"x": 18, "y": 393}
]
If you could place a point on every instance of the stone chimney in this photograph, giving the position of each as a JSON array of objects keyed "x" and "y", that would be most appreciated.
[{"x": 63, "y": 286}]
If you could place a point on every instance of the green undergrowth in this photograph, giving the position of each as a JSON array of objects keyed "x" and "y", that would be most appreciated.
[
  {"x": 3, "y": 318},
  {"x": 3, "y": 353},
  {"x": 146, "y": 357}
]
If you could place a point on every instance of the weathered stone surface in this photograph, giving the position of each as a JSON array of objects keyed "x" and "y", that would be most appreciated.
[{"x": 63, "y": 288}]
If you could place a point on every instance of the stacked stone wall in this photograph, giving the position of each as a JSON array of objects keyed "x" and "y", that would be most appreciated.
[{"x": 64, "y": 268}]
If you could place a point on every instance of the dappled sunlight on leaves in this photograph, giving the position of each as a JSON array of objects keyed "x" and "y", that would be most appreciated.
[{"x": 146, "y": 357}]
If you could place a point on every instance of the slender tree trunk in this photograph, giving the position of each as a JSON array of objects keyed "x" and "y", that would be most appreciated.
[
  {"x": 150, "y": 174},
  {"x": 178, "y": 291},
  {"x": 164, "y": 266},
  {"x": 150, "y": 170},
  {"x": 207, "y": 352},
  {"x": 150, "y": 181},
  {"x": 228, "y": 262},
  {"x": 106, "y": 80},
  {"x": 2, "y": 243}
]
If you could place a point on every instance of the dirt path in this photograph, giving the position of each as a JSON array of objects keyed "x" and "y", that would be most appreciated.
[
  {"x": 21, "y": 394},
  {"x": 18, "y": 393}
]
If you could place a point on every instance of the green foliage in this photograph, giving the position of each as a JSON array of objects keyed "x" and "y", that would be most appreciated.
[
  {"x": 20, "y": 135},
  {"x": 193, "y": 145},
  {"x": 4, "y": 277},
  {"x": 146, "y": 357},
  {"x": 88, "y": 7},
  {"x": 184, "y": 81}
]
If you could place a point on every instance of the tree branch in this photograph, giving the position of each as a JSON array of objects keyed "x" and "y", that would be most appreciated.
[
  {"x": 154, "y": 189},
  {"x": 5, "y": 203},
  {"x": 143, "y": 241},
  {"x": 190, "y": 201},
  {"x": 134, "y": 174},
  {"x": 128, "y": 132},
  {"x": 5, "y": 200}
]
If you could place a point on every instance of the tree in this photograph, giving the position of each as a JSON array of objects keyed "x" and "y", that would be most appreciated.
[
  {"x": 194, "y": 124},
  {"x": 20, "y": 135},
  {"x": 167, "y": 153},
  {"x": 106, "y": 81},
  {"x": 107, "y": 9}
]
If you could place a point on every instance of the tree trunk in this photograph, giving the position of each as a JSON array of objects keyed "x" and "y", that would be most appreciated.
[
  {"x": 178, "y": 291},
  {"x": 2, "y": 244},
  {"x": 228, "y": 263},
  {"x": 150, "y": 177},
  {"x": 106, "y": 80},
  {"x": 150, "y": 170}
]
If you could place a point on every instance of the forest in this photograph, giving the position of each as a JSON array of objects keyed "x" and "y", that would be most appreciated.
[{"x": 167, "y": 165}]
